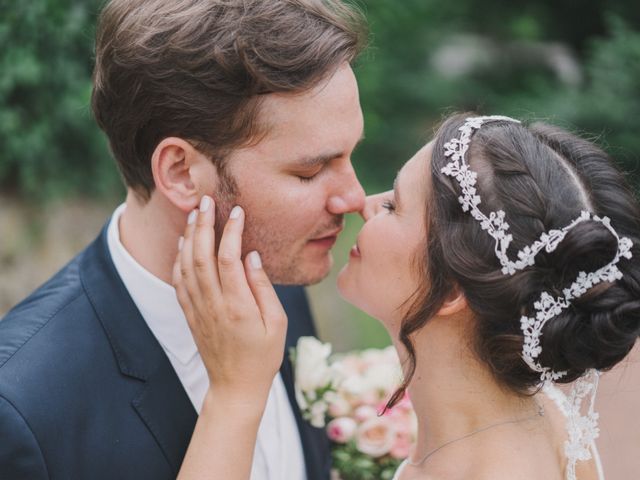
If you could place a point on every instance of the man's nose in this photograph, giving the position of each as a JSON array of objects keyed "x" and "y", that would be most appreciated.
[{"x": 349, "y": 197}]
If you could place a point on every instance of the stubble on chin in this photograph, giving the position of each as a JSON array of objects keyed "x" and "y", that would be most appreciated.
[
  {"x": 284, "y": 259},
  {"x": 287, "y": 260},
  {"x": 295, "y": 272}
]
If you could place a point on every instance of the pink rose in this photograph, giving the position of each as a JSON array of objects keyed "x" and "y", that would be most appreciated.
[
  {"x": 364, "y": 412},
  {"x": 375, "y": 437},
  {"x": 339, "y": 406},
  {"x": 401, "y": 446},
  {"x": 341, "y": 430}
]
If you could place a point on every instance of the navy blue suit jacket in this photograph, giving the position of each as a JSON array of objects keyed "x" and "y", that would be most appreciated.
[{"x": 86, "y": 391}]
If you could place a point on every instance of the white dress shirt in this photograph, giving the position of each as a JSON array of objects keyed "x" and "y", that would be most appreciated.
[{"x": 278, "y": 453}]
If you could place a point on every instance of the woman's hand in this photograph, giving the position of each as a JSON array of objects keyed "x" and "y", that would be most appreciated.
[{"x": 236, "y": 318}]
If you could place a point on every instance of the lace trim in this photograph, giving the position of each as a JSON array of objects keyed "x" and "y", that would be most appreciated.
[{"x": 582, "y": 430}]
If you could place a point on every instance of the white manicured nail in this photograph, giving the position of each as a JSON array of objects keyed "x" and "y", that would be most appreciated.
[
  {"x": 192, "y": 217},
  {"x": 205, "y": 203},
  {"x": 180, "y": 243},
  {"x": 235, "y": 213},
  {"x": 255, "y": 261}
]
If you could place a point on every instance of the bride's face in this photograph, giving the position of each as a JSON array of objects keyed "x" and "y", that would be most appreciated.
[{"x": 382, "y": 272}]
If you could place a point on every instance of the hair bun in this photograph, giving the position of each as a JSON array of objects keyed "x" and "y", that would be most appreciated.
[{"x": 600, "y": 327}]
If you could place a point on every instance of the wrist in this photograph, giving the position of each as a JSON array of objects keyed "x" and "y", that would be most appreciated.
[{"x": 248, "y": 403}]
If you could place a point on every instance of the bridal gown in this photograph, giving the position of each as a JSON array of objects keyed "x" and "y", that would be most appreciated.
[{"x": 558, "y": 397}]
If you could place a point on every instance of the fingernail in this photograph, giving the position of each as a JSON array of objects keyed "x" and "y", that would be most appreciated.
[
  {"x": 192, "y": 217},
  {"x": 180, "y": 243},
  {"x": 235, "y": 213},
  {"x": 205, "y": 203},
  {"x": 255, "y": 261}
]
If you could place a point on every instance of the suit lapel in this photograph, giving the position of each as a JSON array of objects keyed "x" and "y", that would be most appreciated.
[
  {"x": 168, "y": 414},
  {"x": 162, "y": 403},
  {"x": 315, "y": 443}
]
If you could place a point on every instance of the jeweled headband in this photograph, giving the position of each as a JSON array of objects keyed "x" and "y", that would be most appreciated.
[{"x": 582, "y": 429}]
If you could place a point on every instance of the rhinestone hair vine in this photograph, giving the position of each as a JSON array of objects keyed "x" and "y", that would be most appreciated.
[{"x": 582, "y": 429}]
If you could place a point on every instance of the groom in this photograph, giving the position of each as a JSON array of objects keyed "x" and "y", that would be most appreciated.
[{"x": 252, "y": 102}]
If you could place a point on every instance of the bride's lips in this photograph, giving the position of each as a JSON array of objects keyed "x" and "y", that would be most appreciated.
[{"x": 355, "y": 251}]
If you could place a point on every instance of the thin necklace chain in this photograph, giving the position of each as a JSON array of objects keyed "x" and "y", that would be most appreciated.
[{"x": 539, "y": 413}]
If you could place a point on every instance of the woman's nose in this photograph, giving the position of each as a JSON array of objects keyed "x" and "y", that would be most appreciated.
[{"x": 371, "y": 206}]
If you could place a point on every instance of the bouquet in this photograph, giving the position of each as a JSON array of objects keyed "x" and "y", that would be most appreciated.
[{"x": 346, "y": 394}]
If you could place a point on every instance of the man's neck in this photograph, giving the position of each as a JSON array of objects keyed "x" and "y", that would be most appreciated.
[{"x": 150, "y": 234}]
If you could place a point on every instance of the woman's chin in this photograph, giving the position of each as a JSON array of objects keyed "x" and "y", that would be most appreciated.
[{"x": 346, "y": 287}]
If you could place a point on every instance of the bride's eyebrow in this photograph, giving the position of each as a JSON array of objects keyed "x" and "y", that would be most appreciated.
[{"x": 396, "y": 190}]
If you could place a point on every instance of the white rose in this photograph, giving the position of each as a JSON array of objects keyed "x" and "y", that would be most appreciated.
[
  {"x": 312, "y": 369},
  {"x": 302, "y": 401},
  {"x": 371, "y": 355},
  {"x": 361, "y": 390},
  {"x": 364, "y": 413},
  {"x": 375, "y": 437},
  {"x": 318, "y": 414},
  {"x": 349, "y": 365},
  {"x": 354, "y": 386},
  {"x": 383, "y": 376},
  {"x": 338, "y": 405}
]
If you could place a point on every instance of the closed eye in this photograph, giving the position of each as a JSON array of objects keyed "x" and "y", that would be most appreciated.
[
  {"x": 306, "y": 179},
  {"x": 389, "y": 206},
  {"x": 307, "y": 175}
]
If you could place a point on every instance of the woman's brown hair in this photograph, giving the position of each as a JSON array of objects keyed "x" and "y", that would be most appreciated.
[{"x": 542, "y": 177}]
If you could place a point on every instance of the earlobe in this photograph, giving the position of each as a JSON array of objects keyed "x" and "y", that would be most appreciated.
[
  {"x": 455, "y": 303},
  {"x": 175, "y": 165}
]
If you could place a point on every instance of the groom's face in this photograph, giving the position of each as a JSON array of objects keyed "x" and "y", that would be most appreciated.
[{"x": 297, "y": 183}]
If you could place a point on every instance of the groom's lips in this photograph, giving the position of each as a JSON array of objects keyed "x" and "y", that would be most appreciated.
[{"x": 327, "y": 241}]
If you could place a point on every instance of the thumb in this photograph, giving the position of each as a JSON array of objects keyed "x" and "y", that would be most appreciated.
[{"x": 271, "y": 310}]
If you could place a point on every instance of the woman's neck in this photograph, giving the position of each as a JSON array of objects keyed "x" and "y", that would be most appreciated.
[{"x": 452, "y": 392}]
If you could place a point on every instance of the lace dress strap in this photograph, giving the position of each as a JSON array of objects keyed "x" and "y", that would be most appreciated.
[
  {"x": 400, "y": 469},
  {"x": 561, "y": 401}
]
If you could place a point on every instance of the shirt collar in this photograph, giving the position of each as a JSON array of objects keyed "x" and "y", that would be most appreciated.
[{"x": 155, "y": 299}]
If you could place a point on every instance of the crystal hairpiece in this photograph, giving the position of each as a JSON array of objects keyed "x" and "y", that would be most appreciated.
[{"x": 582, "y": 429}]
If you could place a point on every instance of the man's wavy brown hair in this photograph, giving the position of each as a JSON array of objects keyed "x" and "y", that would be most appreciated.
[{"x": 197, "y": 69}]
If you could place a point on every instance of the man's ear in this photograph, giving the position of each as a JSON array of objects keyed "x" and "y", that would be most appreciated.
[
  {"x": 181, "y": 173},
  {"x": 455, "y": 303}
]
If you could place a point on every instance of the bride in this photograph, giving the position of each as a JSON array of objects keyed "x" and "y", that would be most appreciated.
[{"x": 500, "y": 263}]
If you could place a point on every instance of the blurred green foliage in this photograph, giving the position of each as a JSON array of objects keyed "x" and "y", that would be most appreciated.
[
  {"x": 50, "y": 146},
  {"x": 405, "y": 94},
  {"x": 49, "y": 143}
]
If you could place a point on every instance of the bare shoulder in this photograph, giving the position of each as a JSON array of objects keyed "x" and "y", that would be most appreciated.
[
  {"x": 468, "y": 467},
  {"x": 519, "y": 452},
  {"x": 424, "y": 476},
  {"x": 496, "y": 473}
]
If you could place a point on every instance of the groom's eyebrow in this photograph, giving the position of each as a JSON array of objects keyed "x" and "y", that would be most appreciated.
[
  {"x": 308, "y": 162},
  {"x": 312, "y": 161}
]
